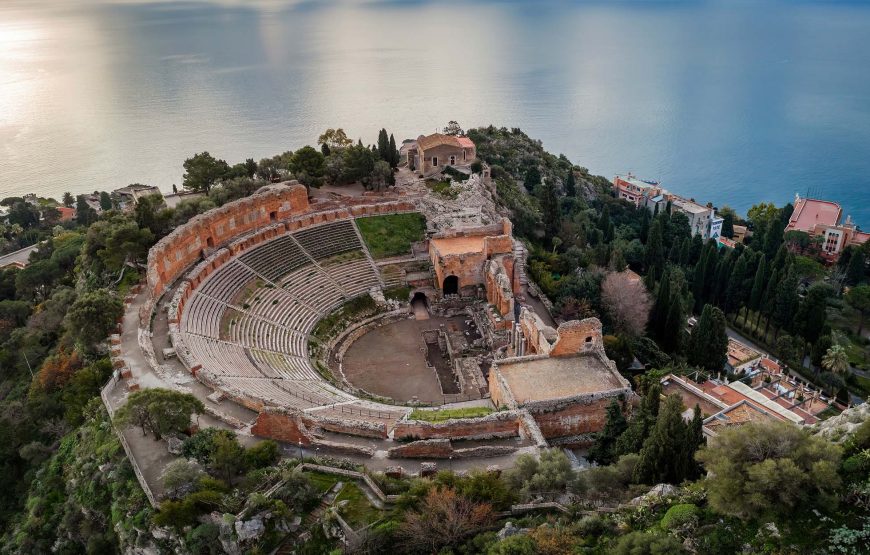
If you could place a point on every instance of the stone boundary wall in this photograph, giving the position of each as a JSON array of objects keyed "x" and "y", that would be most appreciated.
[
  {"x": 443, "y": 449},
  {"x": 493, "y": 426},
  {"x": 372, "y": 485},
  {"x": 293, "y": 426}
]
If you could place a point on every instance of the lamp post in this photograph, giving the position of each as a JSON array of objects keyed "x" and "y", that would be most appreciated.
[
  {"x": 301, "y": 456},
  {"x": 450, "y": 458}
]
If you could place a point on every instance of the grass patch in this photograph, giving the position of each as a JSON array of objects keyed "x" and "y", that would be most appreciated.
[
  {"x": 321, "y": 481},
  {"x": 447, "y": 414},
  {"x": 392, "y": 234},
  {"x": 340, "y": 258},
  {"x": 358, "y": 512},
  {"x": 397, "y": 293},
  {"x": 443, "y": 188}
]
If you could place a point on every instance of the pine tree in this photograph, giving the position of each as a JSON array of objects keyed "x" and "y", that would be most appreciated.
[
  {"x": 570, "y": 184},
  {"x": 603, "y": 451},
  {"x": 662, "y": 456},
  {"x": 708, "y": 345},
  {"x": 644, "y": 226}
]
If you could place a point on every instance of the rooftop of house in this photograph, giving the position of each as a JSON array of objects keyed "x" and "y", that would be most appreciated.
[
  {"x": 640, "y": 183},
  {"x": 439, "y": 139},
  {"x": 135, "y": 188},
  {"x": 738, "y": 353},
  {"x": 737, "y": 414},
  {"x": 692, "y": 394},
  {"x": 688, "y": 205},
  {"x": 545, "y": 378},
  {"x": 811, "y": 212}
]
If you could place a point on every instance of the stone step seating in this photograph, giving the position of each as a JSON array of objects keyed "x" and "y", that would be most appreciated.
[
  {"x": 267, "y": 391},
  {"x": 318, "y": 392},
  {"x": 227, "y": 281},
  {"x": 276, "y": 258},
  {"x": 257, "y": 333},
  {"x": 312, "y": 286},
  {"x": 221, "y": 358},
  {"x": 288, "y": 367},
  {"x": 277, "y": 305},
  {"x": 202, "y": 316},
  {"x": 355, "y": 277},
  {"x": 329, "y": 239}
]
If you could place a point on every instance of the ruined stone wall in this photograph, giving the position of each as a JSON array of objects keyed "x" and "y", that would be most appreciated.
[
  {"x": 538, "y": 336},
  {"x": 173, "y": 254},
  {"x": 583, "y": 415},
  {"x": 499, "y": 291},
  {"x": 444, "y": 449},
  {"x": 281, "y": 425},
  {"x": 578, "y": 336},
  {"x": 496, "y": 425}
]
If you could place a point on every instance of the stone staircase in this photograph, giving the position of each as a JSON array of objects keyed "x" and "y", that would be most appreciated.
[{"x": 520, "y": 255}]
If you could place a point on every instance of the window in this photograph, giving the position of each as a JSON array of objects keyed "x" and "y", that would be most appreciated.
[
  {"x": 464, "y": 155},
  {"x": 434, "y": 160},
  {"x": 452, "y": 160},
  {"x": 589, "y": 339}
]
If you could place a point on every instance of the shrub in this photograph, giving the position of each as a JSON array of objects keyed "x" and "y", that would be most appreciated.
[
  {"x": 646, "y": 543},
  {"x": 680, "y": 516},
  {"x": 262, "y": 454}
]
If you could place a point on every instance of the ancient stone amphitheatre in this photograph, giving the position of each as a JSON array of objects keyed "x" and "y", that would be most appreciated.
[{"x": 430, "y": 347}]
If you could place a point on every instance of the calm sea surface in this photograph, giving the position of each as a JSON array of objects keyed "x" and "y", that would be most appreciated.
[{"x": 727, "y": 101}]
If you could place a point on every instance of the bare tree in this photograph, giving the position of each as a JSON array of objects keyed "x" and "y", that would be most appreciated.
[
  {"x": 444, "y": 518},
  {"x": 626, "y": 301}
]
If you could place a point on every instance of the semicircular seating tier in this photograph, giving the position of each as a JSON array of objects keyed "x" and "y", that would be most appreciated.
[{"x": 244, "y": 329}]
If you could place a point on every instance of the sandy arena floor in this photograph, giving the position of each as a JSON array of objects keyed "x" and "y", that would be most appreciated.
[{"x": 390, "y": 361}]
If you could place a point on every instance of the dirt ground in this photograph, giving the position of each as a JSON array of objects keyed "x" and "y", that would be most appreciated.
[{"x": 391, "y": 361}]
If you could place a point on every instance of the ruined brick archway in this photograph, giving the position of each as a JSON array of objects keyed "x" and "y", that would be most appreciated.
[{"x": 450, "y": 285}]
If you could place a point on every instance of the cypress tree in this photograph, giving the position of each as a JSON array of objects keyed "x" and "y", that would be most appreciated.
[
  {"x": 781, "y": 258},
  {"x": 571, "y": 184},
  {"x": 660, "y": 458},
  {"x": 708, "y": 345},
  {"x": 786, "y": 303},
  {"x": 728, "y": 225},
  {"x": 769, "y": 300},
  {"x": 811, "y": 315},
  {"x": 631, "y": 441},
  {"x": 695, "y": 250},
  {"x": 550, "y": 209},
  {"x": 855, "y": 269},
  {"x": 644, "y": 226},
  {"x": 394, "y": 152},
  {"x": 384, "y": 146},
  {"x": 685, "y": 252},
  {"x": 654, "y": 257},
  {"x": 659, "y": 313},
  {"x": 694, "y": 440},
  {"x": 755, "y": 297},
  {"x": 603, "y": 451},
  {"x": 773, "y": 238},
  {"x": 735, "y": 293},
  {"x": 672, "y": 341}
]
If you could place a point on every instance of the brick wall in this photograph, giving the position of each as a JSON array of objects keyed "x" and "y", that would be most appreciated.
[
  {"x": 574, "y": 419},
  {"x": 281, "y": 425},
  {"x": 578, "y": 336}
]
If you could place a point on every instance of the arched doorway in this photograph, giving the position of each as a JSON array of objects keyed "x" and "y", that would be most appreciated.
[
  {"x": 420, "y": 306},
  {"x": 450, "y": 285}
]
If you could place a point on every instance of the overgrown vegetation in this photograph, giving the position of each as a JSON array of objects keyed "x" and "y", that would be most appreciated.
[
  {"x": 441, "y": 415},
  {"x": 391, "y": 234},
  {"x": 354, "y": 309}
]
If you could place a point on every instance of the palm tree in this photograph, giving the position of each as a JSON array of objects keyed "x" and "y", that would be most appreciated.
[{"x": 836, "y": 360}]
